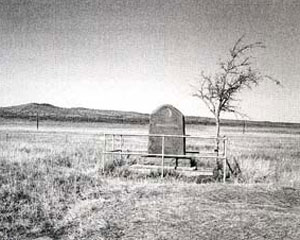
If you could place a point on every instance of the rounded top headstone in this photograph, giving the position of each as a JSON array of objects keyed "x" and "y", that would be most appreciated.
[
  {"x": 167, "y": 120},
  {"x": 168, "y": 108}
]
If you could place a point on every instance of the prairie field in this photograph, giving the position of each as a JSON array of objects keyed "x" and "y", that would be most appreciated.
[{"x": 53, "y": 186}]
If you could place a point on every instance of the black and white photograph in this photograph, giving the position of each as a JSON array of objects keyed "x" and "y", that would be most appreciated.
[{"x": 149, "y": 119}]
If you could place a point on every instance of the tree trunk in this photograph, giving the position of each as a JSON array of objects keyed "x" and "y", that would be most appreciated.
[{"x": 217, "y": 149}]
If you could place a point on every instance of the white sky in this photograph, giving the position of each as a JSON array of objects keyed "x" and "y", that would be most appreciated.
[{"x": 136, "y": 55}]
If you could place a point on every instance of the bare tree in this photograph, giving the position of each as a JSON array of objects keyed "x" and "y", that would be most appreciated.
[{"x": 235, "y": 74}]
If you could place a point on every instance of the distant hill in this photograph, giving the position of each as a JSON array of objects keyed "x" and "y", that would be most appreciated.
[{"x": 51, "y": 112}]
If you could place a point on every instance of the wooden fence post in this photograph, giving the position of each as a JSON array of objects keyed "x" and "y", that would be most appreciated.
[{"x": 37, "y": 120}]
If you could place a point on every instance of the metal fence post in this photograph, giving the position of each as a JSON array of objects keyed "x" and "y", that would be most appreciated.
[
  {"x": 103, "y": 153},
  {"x": 224, "y": 160},
  {"x": 122, "y": 143},
  {"x": 162, "y": 156},
  {"x": 112, "y": 142}
]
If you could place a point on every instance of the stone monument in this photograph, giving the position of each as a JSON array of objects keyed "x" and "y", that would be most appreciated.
[{"x": 167, "y": 120}]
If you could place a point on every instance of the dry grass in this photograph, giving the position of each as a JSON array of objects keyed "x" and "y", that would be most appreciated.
[
  {"x": 51, "y": 185},
  {"x": 147, "y": 210},
  {"x": 267, "y": 159}
]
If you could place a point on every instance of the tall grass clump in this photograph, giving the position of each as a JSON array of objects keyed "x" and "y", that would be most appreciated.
[{"x": 255, "y": 170}]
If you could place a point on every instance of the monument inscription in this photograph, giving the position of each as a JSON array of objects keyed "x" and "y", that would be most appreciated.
[{"x": 167, "y": 120}]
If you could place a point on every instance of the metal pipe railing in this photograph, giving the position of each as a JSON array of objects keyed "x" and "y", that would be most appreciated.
[
  {"x": 163, "y": 135},
  {"x": 121, "y": 152}
]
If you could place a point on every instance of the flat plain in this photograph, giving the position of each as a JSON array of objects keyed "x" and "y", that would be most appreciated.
[{"x": 52, "y": 186}]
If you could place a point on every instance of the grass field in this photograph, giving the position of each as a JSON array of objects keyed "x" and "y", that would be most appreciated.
[{"x": 52, "y": 185}]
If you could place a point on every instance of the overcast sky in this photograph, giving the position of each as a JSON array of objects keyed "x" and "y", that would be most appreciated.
[{"x": 138, "y": 54}]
